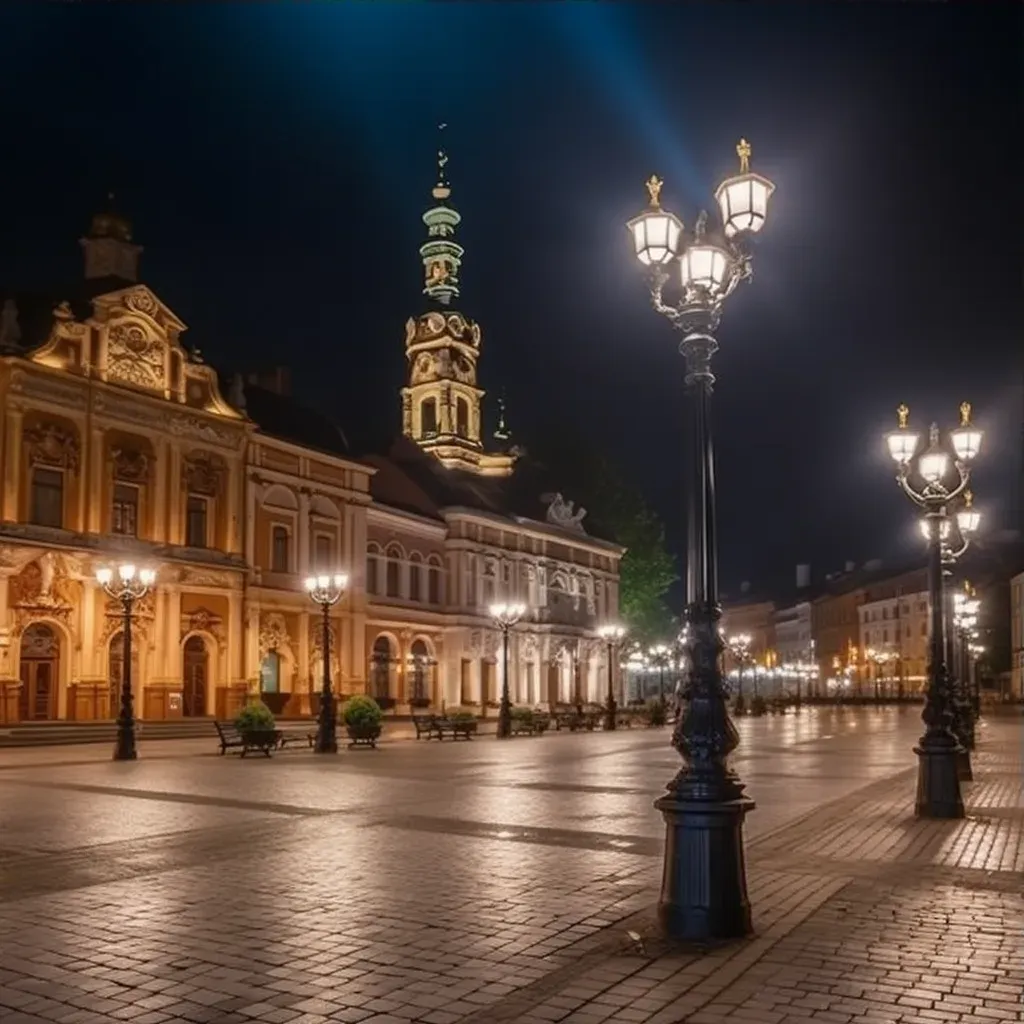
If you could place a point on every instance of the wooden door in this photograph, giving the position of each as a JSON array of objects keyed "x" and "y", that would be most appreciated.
[
  {"x": 40, "y": 663},
  {"x": 196, "y": 675}
]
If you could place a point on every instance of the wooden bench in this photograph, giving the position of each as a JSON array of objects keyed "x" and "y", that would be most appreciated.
[
  {"x": 447, "y": 727},
  {"x": 426, "y": 726},
  {"x": 264, "y": 741},
  {"x": 526, "y": 726},
  {"x": 295, "y": 734}
]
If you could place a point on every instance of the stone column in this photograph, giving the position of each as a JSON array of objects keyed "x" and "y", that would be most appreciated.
[
  {"x": 233, "y": 528},
  {"x": 172, "y": 658},
  {"x": 251, "y": 497},
  {"x": 174, "y": 528},
  {"x": 158, "y": 516},
  {"x": 97, "y": 494},
  {"x": 302, "y": 535},
  {"x": 304, "y": 670},
  {"x": 12, "y": 466},
  {"x": 252, "y": 644},
  {"x": 236, "y": 638}
]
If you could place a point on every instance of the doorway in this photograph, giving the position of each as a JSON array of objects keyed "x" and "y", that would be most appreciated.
[
  {"x": 197, "y": 673},
  {"x": 40, "y": 665}
]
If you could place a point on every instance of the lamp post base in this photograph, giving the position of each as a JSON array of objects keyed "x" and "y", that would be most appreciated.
[
  {"x": 704, "y": 880},
  {"x": 124, "y": 747},
  {"x": 504, "y": 719},
  {"x": 326, "y": 728},
  {"x": 963, "y": 765},
  {"x": 325, "y": 744},
  {"x": 609, "y": 714},
  {"x": 938, "y": 780}
]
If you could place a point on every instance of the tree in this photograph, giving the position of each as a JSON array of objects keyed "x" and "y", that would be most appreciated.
[{"x": 616, "y": 510}]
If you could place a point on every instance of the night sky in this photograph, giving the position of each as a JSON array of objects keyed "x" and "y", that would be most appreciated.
[{"x": 276, "y": 159}]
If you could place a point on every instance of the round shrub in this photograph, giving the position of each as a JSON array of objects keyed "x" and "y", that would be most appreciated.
[
  {"x": 360, "y": 711},
  {"x": 255, "y": 717}
]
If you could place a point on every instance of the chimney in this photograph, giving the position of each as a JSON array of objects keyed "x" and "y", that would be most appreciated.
[
  {"x": 803, "y": 576},
  {"x": 850, "y": 566},
  {"x": 745, "y": 587}
]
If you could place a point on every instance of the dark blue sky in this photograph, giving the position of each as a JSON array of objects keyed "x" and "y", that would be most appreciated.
[{"x": 276, "y": 159}]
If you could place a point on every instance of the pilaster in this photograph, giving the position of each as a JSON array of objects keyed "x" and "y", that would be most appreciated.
[
  {"x": 236, "y": 638},
  {"x": 302, "y": 535},
  {"x": 12, "y": 465}
]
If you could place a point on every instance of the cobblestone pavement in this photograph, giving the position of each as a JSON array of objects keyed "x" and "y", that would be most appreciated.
[{"x": 487, "y": 882}]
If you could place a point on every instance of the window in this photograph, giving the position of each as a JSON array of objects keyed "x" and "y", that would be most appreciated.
[
  {"x": 428, "y": 417},
  {"x": 322, "y": 551},
  {"x": 434, "y": 585},
  {"x": 125, "y": 513},
  {"x": 270, "y": 673},
  {"x": 380, "y": 668},
  {"x": 47, "y": 497},
  {"x": 415, "y": 576},
  {"x": 393, "y": 580},
  {"x": 279, "y": 549},
  {"x": 462, "y": 417},
  {"x": 195, "y": 521},
  {"x": 372, "y": 573}
]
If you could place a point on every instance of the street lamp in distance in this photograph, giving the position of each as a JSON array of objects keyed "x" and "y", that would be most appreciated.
[
  {"x": 326, "y": 592},
  {"x": 127, "y": 584},
  {"x": 506, "y": 614},
  {"x": 612, "y": 634}
]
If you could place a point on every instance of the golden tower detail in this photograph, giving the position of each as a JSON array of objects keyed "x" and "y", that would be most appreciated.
[{"x": 441, "y": 403}]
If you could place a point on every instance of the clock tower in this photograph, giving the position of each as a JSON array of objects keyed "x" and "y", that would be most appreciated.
[{"x": 441, "y": 403}]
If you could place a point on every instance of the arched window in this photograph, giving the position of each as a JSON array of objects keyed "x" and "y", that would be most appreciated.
[
  {"x": 462, "y": 417},
  {"x": 373, "y": 569},
  {"x": 434, "y": 583},
  {"x": 415, "y": 577},
  {"x": 419, "y": 672},
  {"x": 428, "y": 417},
  {"x": 279, "y": 549},
  {"x": 270, "y": 673},
  {"x": 393, "y": 582},
  {"x": 380, "y": 669}
]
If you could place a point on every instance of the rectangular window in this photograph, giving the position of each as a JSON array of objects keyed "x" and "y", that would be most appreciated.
[
  {"x": 47, "y": 497},
  {"x": 279, "y": 549},
  {"x": 434, "y": 585},
  {"x": 372, "y": 582},
  {"x": 322, "y": 552},
  {"x": 125, "y": 513},
  {"x": 195, "y": 521},
  {"x": 414, "y": 581}
]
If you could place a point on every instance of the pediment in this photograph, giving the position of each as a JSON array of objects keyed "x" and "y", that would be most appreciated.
[{"x": 138, "y": 299}]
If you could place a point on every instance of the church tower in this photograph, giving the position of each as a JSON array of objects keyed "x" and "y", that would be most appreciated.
[
  {"x": 441, "y": 403},
  {"x": 109, "y": 250}
]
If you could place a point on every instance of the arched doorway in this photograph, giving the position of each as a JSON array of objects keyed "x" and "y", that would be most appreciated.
[
  {"x": 115, "y": 671},
  {"x": 419, "y": 674},
  {"x": 380, "y": 671},
  {"x": 40, "y": 672},
  {"x": 196, "y": 677}
]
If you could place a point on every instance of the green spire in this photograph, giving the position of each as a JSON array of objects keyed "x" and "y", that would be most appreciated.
[{"x": 441, "y": 254}]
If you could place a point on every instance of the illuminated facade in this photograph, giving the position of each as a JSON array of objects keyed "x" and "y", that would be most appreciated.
[
  {"x": 1017, "y": 636},
  {"x": 896, "y": 629},
  {"x": 119, "y": 444}
]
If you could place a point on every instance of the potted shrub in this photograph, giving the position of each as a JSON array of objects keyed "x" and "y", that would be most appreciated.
[
  {"x": 655, "y": 712},
  {"x": 419, "y": 702},
  {"x": 255, "y": 724},
  {"x": 362, "y": 718}
]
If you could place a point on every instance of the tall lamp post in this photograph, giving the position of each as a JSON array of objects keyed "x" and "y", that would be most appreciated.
[
  {"x": 965, "y": 621},
  {"x": 127, "y": 585},
  {"x": 505, "y": 614},
  {"x": 326, "y": 591},
  {"x": 704, "y": 884},
  {"x": 926, "y": 479},
  {"x": 660, "y": 656},
  {"x": 612, "y": 634},
  {"x": 739, "y": 648}
]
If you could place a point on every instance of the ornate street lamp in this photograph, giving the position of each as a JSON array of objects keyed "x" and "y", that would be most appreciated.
[
  {"x": 127, "y": 584},
  {"x": 660, "y": 656},
  {"x": 966, "y": 607},
  {"x": 506, "y": 614},
  {"x": 739, "y": 648},
  {"x": 928, "y": 482},
  {"x": 704, "y": 884},
  {"x": 612, "y": 634},
  {"x": 326, "y": 591}
]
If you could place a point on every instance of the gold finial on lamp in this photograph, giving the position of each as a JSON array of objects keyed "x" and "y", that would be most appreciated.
[
  {"x": 902, "y": 415},
  {"x": 968, "y": 498},
  {"x": 743, "y": 151},
  {"x": 965, "y": 414},
  {"x": 654, "y": 184}
]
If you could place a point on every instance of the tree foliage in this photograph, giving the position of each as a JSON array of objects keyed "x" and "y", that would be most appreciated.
[{"x": 618, "y": 511}]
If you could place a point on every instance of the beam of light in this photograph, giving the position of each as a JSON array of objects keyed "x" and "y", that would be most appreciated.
[{"x": 604, "y": 37}]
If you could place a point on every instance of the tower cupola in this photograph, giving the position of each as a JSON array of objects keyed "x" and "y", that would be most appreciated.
[
  {"x": 441, "y": 254},
  {"x": 108, "y": 247}
]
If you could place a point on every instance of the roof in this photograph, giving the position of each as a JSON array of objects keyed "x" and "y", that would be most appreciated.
[{"x": 283, "y": 417}]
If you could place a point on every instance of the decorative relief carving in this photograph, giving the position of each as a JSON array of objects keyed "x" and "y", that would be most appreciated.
[
  {"x": 560, "y": 513},
  {"x": 192, "y": 426},
  {"x": 205, "y": 578},
  {"x": 43, "y": 583},
  {"x": 134, "y": 356},
  {"x": 51, "y": 444},
  {"x": 202, "y": 473},
  {"x": 141, "y": 300},
  {"x": 67, "y": 394},
  {"x": 476, "y": 644},
  {"x": 202, "y": 620},
  {"x": 527, "y": 646},
  {"x": 130, "y": 465},
  {"x": 273, "y": 633}
]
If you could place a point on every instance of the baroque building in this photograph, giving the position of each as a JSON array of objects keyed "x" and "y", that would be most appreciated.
[{"x": 119, "y": 444}]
